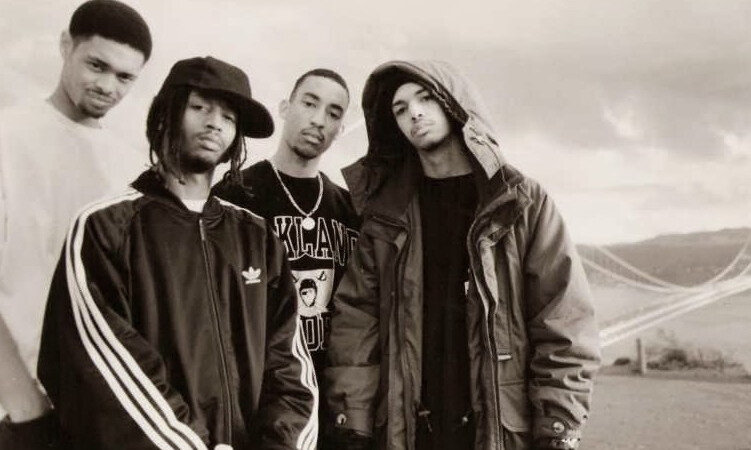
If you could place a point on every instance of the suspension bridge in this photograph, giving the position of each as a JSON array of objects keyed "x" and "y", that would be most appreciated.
[{"x": 669, "y": 300}]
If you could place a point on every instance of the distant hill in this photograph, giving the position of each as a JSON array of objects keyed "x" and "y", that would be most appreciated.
[{"x": 684, "y": 259}]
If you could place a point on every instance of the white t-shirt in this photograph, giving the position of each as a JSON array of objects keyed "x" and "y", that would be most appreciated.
[{"x": 50, "y": 167}]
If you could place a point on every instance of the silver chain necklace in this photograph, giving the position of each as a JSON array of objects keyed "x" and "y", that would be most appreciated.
[{"x": 308, "y": 223}]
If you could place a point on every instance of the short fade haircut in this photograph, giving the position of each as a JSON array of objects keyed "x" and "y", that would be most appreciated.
[
  {"x": 113, "y": 20},
  {"x": 325, "y": 73}
]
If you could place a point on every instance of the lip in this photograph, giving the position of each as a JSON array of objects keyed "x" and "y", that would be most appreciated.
[
  {"x": 312, "y": 136},
  {"x": 209, "y": 143},
  {"x": 420, "y": 129},
  {"x": 100, "y": 99}
]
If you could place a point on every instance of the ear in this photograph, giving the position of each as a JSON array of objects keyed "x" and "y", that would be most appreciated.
[
  {"x": 283, "y": 108},
  {"x": 66, "y": 44},
  {"x": 339, "y": 132}
]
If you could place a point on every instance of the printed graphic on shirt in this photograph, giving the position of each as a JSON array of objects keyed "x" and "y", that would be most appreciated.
[
  {"x": 329, "y": 239},
  {"x": 317, "y": 259},
  {"x": 313, "y": 296},
  {"x": 314, "y": 290}
]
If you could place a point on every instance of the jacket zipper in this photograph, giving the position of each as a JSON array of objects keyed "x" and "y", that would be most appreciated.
[
  {"x": 483, "y": 291},
  {"x": 217, "y": 330},
  {"x": 408, "y": 388},
  {"x": 408, "y": 409}
]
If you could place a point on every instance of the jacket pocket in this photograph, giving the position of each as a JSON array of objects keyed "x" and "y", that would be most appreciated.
[{"x": 515, "y": 407}]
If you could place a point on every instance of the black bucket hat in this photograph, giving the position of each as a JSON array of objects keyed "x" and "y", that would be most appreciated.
[{"x": 215, "y": 75}]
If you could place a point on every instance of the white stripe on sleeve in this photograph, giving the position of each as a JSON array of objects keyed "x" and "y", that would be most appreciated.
[{"x": 131, "y": 386}]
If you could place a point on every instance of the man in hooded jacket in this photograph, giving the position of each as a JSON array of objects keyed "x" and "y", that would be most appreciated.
[{"x": 464, "y": 319}]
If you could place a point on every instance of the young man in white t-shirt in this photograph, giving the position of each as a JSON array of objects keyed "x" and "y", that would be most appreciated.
[{"x": 55, "y": 158}]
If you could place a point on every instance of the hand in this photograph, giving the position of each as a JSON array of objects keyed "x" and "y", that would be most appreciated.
[
  {"x": 41, "y": 433},
  {"x": 20, "y": 394},
  {"x": 556, "y": 444},
  {"x": 32, "y": 406}
]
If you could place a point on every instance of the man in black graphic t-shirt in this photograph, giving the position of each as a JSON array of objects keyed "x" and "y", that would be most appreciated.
[
  {"x": 312, "y": 216},
  {"x": 318, "y": 253}
]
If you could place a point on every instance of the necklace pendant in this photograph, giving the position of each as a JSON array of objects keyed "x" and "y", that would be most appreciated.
[{"x": 308, "y": 223}]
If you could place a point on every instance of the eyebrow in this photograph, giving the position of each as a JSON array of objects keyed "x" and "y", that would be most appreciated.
[
  {"x": 107, "y": 66},
  {"x": 336, "y": 107},
  {"x": 317, "y": 98},
  {"x": 96, "y": 59},
  {"x": 310, "y": 94}
]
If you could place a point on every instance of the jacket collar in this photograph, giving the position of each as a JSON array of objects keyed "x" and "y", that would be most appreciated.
[
  {"x": 383, "y": 182},
  {"x": 376, "y": 191},
  {"x": 151, "y": 184}
]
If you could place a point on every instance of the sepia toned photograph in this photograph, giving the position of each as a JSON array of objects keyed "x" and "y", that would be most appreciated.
[{"x": 375, "y": 225}]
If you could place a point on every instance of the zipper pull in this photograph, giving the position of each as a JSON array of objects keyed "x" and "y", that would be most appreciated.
[
  {"x": 425, "y": 414},
  {"x": 200, "y": 228}
]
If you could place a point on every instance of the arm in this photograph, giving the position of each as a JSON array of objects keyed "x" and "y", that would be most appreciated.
[
  {"x": 562, "y": 331},
  {"x": 352, "y": 374},
  {"x": 20, "y": 395},
  {"x": 288, "y": 411},
  {"x": 108, "y": 384}
]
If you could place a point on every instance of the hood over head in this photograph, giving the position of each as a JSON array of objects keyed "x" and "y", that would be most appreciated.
[{"x": 389, "y": 149}]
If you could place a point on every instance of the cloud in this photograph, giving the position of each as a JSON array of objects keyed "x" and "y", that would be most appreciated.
[{"x": 633, "y": 114}]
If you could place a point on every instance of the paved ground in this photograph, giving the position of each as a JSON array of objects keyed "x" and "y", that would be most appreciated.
[{"x": 632, "y": 412}]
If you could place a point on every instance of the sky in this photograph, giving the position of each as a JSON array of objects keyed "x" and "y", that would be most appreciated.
[{"x": 634, "y": 115}]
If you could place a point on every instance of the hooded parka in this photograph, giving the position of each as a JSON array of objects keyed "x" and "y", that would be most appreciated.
[{"x": 531, "y": 331}]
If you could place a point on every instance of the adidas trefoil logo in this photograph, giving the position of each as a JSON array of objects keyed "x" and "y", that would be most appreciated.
[{"x": 252, "y": 276}]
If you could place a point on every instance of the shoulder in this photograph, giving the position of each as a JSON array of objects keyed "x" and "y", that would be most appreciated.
[
  {"x": 515, "y": 195},
  {"x": 26, "y": 109},
  {"x": 112, "y": 207},
  {"x": 340, "y": 194},
  {"x": 257, "y": 173},
  {"x": 107, "y": 219},
  {"x": 342, "y": 200},
  {"x": 242, "y": 215},
  {"x": 333, "y": 187},
  {"x": 528, "y": 187},
  {"x": 22, "y": 117},
  {"x": 540, "y": 215},
  {"x": 253, "y": 178}
]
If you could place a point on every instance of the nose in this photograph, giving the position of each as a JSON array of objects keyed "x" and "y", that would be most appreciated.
[
  {"x": 415, "y": 111},
  {"x": 214, "y": 119},
  {"x": 318, "y": 118},
  {"x": 106, "y": 83}
]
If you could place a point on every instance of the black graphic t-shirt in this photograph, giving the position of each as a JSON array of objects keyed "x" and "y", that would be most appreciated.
[
  {"x": 447, "y": 207},
  {"x": 317, "y": 256}
]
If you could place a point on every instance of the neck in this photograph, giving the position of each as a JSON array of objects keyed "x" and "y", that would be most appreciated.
[
  {"x": 448, "y": 159},
  {"x": 61, "y": 101},
  {"x": 289, "y": 163},
  {"x": 195, "y": 186}
]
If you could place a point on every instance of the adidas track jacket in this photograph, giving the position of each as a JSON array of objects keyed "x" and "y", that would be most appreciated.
[{"x": 169, "y": 329}]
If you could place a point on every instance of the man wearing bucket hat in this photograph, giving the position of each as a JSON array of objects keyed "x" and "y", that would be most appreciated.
[{"x": 172, "y": 319}]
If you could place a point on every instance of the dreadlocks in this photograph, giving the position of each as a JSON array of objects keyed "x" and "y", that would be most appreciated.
[{"x": 164, "y": 133}]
